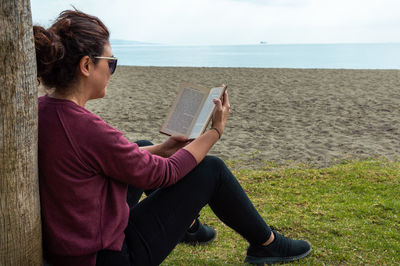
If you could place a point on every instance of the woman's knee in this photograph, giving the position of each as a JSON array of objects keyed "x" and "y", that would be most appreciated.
[
  {"x": 142, "y": 143},
  {"x": 208, "y": 169},
  {"x": 215, "y": 168},
  {"x": 213, "y": 162}
]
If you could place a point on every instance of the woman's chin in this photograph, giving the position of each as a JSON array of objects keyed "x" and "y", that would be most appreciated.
[{"x": 99, "y": 96}]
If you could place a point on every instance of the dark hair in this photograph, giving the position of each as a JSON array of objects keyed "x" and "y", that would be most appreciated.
[{"x": 59, "y": 49}]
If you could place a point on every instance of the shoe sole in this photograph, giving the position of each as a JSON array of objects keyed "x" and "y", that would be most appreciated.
[
  {"x": 273, "y": 260},
  {"x": 199, "y": 243}
]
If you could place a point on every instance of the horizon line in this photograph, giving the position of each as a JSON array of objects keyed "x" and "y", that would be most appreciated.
[{"x": 239, "y": 44}]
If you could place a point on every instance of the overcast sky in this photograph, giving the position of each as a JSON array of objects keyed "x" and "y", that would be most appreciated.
[{"x": 237, "y": 21}]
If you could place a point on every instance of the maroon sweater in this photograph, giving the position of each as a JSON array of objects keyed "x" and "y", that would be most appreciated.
[{"x": 84, "y": 168}]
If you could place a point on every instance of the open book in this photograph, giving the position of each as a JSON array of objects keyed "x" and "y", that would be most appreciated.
[{"x": 192, "y": 110}]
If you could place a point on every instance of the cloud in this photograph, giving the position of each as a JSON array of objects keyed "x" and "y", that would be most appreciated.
[{"x": 239, "y": 21}]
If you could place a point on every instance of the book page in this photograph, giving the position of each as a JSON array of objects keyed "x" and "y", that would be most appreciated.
[
  {"x": 184, "y": 111},
  {"x": 206, "y": 112}
]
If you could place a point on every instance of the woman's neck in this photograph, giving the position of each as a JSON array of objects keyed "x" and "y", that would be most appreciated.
[{"x": 77, "y": 98}]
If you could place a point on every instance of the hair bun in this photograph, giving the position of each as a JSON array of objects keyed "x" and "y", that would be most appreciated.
[{"x": 49, "y": 49}]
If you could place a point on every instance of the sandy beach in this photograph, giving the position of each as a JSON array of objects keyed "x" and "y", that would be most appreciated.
[{"x": 314, "y": 116}]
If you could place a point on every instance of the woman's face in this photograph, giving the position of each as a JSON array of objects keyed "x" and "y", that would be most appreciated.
[{"x": 101, "y": 75}]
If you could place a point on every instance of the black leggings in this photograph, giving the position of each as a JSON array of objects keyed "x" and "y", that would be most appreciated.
[{"x": 158, "y": 222}]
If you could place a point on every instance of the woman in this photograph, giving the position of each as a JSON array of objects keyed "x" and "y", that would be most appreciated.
[{"x": 85, "y": 167}]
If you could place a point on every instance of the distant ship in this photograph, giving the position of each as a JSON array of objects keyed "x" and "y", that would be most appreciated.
[{"x": 262, "y": 42}]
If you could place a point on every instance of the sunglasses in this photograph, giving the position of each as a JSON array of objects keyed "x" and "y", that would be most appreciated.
[{"x": 112, "y": 62}]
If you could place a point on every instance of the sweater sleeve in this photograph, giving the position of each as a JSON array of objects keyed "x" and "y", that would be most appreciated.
[{"x": 105, "y": 149}]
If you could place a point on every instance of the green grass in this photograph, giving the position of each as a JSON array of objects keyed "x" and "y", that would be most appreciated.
[{"x": 348, "y": 212}]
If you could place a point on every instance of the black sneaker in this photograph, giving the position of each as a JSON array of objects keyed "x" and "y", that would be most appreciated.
[
  {"x": 282, "y": 249},
  {"x": 203, "y": 235}
]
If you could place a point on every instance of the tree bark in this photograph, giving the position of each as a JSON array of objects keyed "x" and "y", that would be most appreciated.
[{"x": 20, "y": 225}]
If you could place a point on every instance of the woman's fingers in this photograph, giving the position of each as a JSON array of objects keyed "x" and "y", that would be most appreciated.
[
  {"x": 226, "y": 100},
  {"x": 218, "y": 104},
  {"x": 221, "y": 112}
]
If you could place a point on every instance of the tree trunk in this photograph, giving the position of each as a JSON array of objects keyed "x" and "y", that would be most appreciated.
[{"x": 20, "y": 225}]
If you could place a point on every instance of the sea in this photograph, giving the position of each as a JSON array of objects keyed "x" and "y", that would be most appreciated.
[{"x": 331, "y": 56}]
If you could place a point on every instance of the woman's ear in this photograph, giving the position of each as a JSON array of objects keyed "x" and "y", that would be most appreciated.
[{"x": 84, "y": 65}]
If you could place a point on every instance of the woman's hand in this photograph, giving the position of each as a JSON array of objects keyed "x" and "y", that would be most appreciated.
[
  {"x": 221, "y": 112},
  {"x": 200, "y": 146},
  {"x": 172, "y": 144}
]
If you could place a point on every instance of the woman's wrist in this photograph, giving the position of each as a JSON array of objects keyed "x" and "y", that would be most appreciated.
[
  {"x": 217, "y": 130},
  {"x": 220, "y": 127},
  {"x": 154, "y": 149},
  {"x": 162, "y": 151}
]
